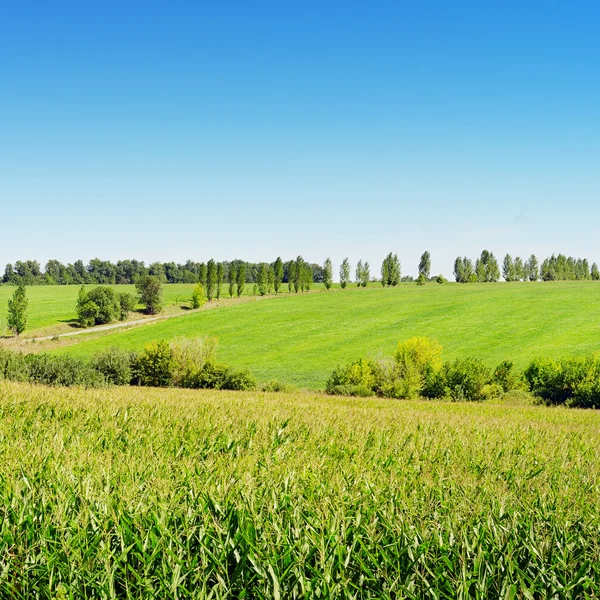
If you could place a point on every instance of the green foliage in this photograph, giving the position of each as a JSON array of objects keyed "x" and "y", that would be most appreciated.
[
  {"x": 13, "y": 366},
  {"x": 276, "y": 386},
  {"x": 17, "y": 311},
  {"x": 441, "y": 279},
  {"x": 220, "y": 274},
  {"x": 211, "y": 279},
  {"x": 277, "y": 274},
  {"x": 107, "y": 302},
  {"x": 425, "y": 266},
  {"x": 66, "y": 371},
  {"x": 595, "y": 273},
  {"x": 344, "y": 273},
  {"x": 155, "y": 365},
  {"x": 263, "y": 279},
  {"x": 532, "y": 268},
  {"x": 232, "y": 278},
  {"x": 115, "y": 365},
  {"x": 571, "y": 381},
  {"x": 189, "y": 358},
  {"x": 127, "y": 304},
  {"x": 465, "y": 379},
  {"x": 421, "y": 280},
  {"x": 87, "y": 311},
  {"x": 505, "y": 376},
  {"x": 150, "y": 291},
  {"x": 241, "y": 279},
  {"x": 291, "y": 272},
  {"x": 361, "y": 372},
  {"x": 328, "y": 274},
  {"x": 199, "y": 297},
  {"x": 390, "y": 270},
  {"x": 464, "y": 271}
]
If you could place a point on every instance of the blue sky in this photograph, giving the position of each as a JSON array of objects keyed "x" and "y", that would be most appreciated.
[{"x": 168, "y": 131}]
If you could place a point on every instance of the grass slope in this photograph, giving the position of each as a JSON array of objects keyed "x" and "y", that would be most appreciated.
[
  {"x": 139, "y": 493},
  {"x": 301, "y": 338}
]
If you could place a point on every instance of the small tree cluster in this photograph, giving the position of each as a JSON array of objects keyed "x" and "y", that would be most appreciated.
[
  {"x": 363, "y": 273},
  {"x": 17, "y": 311}
]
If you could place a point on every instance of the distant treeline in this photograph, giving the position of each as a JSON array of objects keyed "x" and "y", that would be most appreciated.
[
  {"x": 554, "y": 268},
  {"x": 104, "y": 272},
  {"x": 297, "y": 272}
]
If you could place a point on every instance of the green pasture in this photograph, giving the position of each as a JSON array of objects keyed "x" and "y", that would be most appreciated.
[
  {"x": 300, "y": 338},
  {"x": 154, "y": 493}
]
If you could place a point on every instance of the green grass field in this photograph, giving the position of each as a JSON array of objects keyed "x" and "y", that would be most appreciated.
[
  {"x": 53, "y": 306},
  {"x": 147, "y": 493},
  {"x": 299, "y": 339}
]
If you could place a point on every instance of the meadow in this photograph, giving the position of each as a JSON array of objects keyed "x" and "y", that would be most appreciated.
[
  {"x": 147, "y": 493},
  {"x": 300, "y": 339}
]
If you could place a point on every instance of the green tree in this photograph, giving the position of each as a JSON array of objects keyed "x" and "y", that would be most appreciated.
[
  {"x": 595, "y": 273},
  {"x": 17, "y": 311},
  {"x": 425, "y": 265},
  {"x": 232, "y": 278},
  {"x": 263, "y": 279},
  {"x": 421, "y": 279},
  {"x": 291, "y": 269},
  {"x": 277, "y": 274},
  {"x": 385, "y": 270},
  {"x": 202, "y": 274},
  {"x": 299, "y": 274},
  {"x": 519, "y": 269},
  {"x": 127, "y": 304},
  {"x": 508, "y": 268},
  {"x": 198, "y": 296},
  {"x": 107, "y": 302},
  {"x": 344, "y": 273},
  {"x": 366, "y": 274},
  {"x": 241, "y": 279},
  {"x": 327, "y": 274},
  {"x": 358, "y": 273},
  {"x": 211, "y": 279},
  {"x": 220, "y": 273},
  {"x": 307, "y": 277},
  {"x": 149, "y": 289}
]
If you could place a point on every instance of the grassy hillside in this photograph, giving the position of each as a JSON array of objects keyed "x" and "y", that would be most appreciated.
[
  {"x": 135, "y": 493},
  {"x": 54, "y": 305},
  {"x": 301, "y": 338}
]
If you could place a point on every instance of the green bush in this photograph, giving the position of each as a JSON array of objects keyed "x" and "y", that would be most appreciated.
[
  {"x": 198, "y": 296},
  {"x": 189, "y": 357},
  {"x": 13, "y": 366},
  {"x": 571, "y": 381},
  {"x": 505, "y": 376},
  {"x": 239, "y": 380},
  {"x": 127, "y": 304},
  {"x": 115, "y": 365},
  {"x": 465, "y": 379},
  {"x": 351, "y": 390},
  {"x": 49, "y": 369},
  {"x": 363, "y": 372},
  {"x": 106, "y": 301},
  {"x": 87, "y": 313},
  {"x": 155, "y": 365},
  {"x": 277, "y": 386}
]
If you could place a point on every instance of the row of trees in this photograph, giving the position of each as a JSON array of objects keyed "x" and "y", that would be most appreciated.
[
  {"x": 103, "y": 272},
  {"x": 555, "y": 268}
]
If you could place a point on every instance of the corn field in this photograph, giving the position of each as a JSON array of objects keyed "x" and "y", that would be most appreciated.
[{"x": 144, "y": 493}]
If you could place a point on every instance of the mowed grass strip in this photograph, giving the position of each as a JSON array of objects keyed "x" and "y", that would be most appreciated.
[
  {"x": 130, "y": 493},
  {"x": 300, "y": 338}
]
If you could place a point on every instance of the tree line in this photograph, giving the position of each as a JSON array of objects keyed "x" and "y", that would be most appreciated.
[{"x": 554, "y": 268}]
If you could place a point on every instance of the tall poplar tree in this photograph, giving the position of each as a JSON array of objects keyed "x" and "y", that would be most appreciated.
[
  {"x": 327, "y": 274},
  {"x": 232, "y": 278},
  {"x": 211, "y": 279},
  {"x": 344, "y": 273},
  {"x": 359, "y": 273},
  {"x": 219, "y": 279},
  {"x": 291, "y": 269},
  {"x": 277, "y": 274},
  {"x": 425, "y": 265},
  {"x": 241, "y": 279},
  {"x": 17, "y": 311}
]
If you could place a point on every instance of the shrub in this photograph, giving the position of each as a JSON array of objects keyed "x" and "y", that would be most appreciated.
[
  {"x": 13, "y": 366},
  {"x": 198, "y": 296},
  {"x": 212, "y": 376},
  {"x": 571, "y": 381},
  {"x": 505, "y": 376},
  {"x": 87, "y": 313},
  {"x": 351, "y": 390},
  {"x": 115, "y": 365},
  {"x": 155, "y": 365},
  {"x": 49, "y": 369},
  {"x": 127, "y": 304},
  {"x": 106, "y": 301},
  {"x": 239, "y": 380},
  {"x": 189, "y": 357},
  {"x": 276, "y": 386},
  {"x": 465, "y": 379},
  {"x": 362, "y": 372}
]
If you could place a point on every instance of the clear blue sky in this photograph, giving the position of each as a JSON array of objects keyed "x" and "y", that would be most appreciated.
[{"x": 173, "y": 130}]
